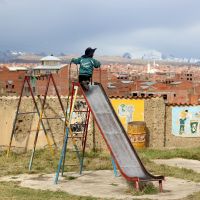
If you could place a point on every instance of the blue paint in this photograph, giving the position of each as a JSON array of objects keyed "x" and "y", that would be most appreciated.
[
  {"x": 63, "y": 152},
  {"x": 114, "y": 168},
  {"x": 186, "y": 121}
]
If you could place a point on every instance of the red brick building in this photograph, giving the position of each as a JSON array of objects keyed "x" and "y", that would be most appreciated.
[
  {"x": 11, "y": 79},
  {"x": 118, "y": 80}
]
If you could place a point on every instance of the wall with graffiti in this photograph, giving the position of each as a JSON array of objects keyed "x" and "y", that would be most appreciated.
[
  {"x": 128, "y": 110},
  {"x": 186, "y": 121}
]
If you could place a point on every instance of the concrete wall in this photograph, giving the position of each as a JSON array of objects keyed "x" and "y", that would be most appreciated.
[
  {"x": 157, "y": 116},
  {"x": 27, "y": 124},
  {"x": 154, "y": 113}
]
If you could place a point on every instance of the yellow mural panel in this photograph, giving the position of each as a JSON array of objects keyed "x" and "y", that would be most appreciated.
[{"x": 128, "y": 110}]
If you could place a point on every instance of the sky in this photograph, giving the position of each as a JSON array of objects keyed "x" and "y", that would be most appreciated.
[{"x": 112, "y": 26}]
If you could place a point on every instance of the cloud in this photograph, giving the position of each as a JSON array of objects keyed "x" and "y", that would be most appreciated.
[
  {"x": 181, "y": 41},
  {"x": 2, "y": 1},
  {"x": 113, "y": 26}
]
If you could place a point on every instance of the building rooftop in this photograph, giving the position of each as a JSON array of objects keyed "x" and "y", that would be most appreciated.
[
  {"x": 126, "y": 81},
  {"x": 148, "y": 83},
  {"x": 176, "y": 83},
  {"x": 50, "y": 58},
  {"x": 48, "y": 67},
  {"x": 16, "y": 68}
]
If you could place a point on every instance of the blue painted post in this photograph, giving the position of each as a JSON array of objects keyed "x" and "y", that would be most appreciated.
[
  {"x": 81, "y": 165},
  {"x": 62, "y": 155},
  {"x": 114, "y": 168}
]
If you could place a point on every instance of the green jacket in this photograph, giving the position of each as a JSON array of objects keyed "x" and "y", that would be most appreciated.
[{"x": 86, "y": 65}]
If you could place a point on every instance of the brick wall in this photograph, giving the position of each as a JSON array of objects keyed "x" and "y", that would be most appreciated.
[{"x": 17, "y": 79}]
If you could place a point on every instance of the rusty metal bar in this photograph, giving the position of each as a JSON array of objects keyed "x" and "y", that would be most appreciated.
[{"x": 15, "y": 120}]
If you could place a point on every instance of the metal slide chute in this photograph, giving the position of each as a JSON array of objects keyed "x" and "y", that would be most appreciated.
[{"x": 116, "y": 138}]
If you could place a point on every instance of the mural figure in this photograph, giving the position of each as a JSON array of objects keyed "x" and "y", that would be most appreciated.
[
  {"x": 186, "y": 121},
  {"x": 126, "y": 111},
  {"x": 182, "y": 119},
  {"x": 194, "y": 126}
]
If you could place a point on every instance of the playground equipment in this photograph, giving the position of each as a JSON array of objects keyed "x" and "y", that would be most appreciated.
[
  {"x": 26, "y": 81},
  {"x": 41, "y": 114},
  {"x": 41, "y": 118},
  {"x": 122, "y": 152},
  {"x": 119, "y": 145},
  {"x": 70, "y": 133}
]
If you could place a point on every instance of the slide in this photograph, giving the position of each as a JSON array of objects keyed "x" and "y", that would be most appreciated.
[{"x": 115, "y": 136}]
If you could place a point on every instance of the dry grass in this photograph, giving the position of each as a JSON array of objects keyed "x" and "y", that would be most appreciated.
[{"x": 44, "y": 162}]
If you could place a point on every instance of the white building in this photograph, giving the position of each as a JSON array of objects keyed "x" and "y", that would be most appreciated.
[
  {"x": 49, "y": 64},
  {"x": 50, "y": 61}
]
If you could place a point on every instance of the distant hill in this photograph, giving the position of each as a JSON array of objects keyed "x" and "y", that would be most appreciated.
[
  {"x": 14, "y": 56},
  {"x": 127, "y": 55},
  {"x": 106, "y": 59},
  {"x": 126, "y": 58},
  {"x": 6, "y": 56}
]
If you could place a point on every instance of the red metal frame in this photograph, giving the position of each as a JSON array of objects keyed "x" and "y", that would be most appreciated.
[
  {"x": 58, "y": 95},
  {"x": 86, "y": 126},
  {"x": 136, "y": 184},
  {"x": 85, "y": 131},
  {"x": 43, "y": 104},
  {"x": 26, "y": 79},
  {"x": 50, "y": 77}
]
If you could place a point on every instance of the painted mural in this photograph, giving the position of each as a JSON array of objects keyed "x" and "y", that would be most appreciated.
[
  {"x": 128, "y": 110},
  {"x": 186, "y": 121}
]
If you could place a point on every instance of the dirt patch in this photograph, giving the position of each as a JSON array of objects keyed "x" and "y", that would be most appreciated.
[{"x": 102, "y": 184}]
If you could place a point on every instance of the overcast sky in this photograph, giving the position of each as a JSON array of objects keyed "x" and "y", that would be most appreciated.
[{"x": 113, "y": 26}]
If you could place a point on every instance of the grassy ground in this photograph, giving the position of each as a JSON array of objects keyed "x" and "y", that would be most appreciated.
[
  {"x": 45, "y": 163},
  {"x": 149, "y": 154},
  {"x": 189, "y": 153}
]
